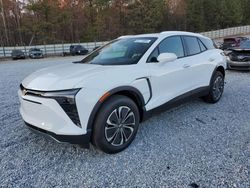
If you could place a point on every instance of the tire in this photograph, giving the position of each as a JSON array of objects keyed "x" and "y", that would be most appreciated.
[
  {"x": 109, "y": 133},
  {"x": 216, "y": 88}
]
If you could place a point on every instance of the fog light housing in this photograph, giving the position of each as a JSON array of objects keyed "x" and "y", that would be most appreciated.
[{"x": 66, "y": 99}]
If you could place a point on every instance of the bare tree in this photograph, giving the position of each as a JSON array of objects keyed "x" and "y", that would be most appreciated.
[{"x": 4, "y": 22}]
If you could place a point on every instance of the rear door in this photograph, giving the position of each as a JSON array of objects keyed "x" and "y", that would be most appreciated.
[{"x": 199, "y": 62}]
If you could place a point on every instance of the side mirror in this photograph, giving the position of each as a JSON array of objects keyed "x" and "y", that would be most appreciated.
[{"x": 166, "y": 57}]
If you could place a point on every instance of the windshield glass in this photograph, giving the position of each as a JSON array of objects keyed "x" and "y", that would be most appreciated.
[
  {"x": 35, "y": 49},
  {"x": 120, "y": 52},
  {"x": 245, "y": 44}
]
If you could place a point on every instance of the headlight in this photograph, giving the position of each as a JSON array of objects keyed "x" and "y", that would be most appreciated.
[
  {"x": 233, "y": 57},
  {"x": 70, "y": 94}
]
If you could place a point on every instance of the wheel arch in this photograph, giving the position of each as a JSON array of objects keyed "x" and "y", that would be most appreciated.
[
  {"x": 220, "y": 69},
  {"x": 128, "y": 91}
]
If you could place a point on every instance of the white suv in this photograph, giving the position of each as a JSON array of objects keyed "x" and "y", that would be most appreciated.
[{"x": 103, "y": 98}]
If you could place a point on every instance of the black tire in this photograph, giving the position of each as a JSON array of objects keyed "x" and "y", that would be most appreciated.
[
  {"x": 112, "y": 134},
  {"x": 216, "y": 88}
]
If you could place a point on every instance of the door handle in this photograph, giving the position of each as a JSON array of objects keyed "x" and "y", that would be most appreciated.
[{"x": 186, "y": 66}]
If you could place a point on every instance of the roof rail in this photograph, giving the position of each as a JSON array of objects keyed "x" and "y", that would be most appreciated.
[{"x": 125, "y": 36}]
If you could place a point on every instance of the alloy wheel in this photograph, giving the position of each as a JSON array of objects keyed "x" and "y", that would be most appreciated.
[
  {"x": 120, "y": 126},
  {"x": 218, "y": 87}
]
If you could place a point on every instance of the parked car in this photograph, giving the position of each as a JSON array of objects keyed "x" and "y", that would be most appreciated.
[
  {"x": 239, "y": 58},
  {"x": 103, "y": 98},
  {"x": 17, "y": 54},
  {"x": 35, "y": 53},
  {"x": 232, "y": 42},
  {"x": 78, "y": 50}
]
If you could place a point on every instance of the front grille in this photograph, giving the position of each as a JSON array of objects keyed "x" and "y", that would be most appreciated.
[
  {"x": 242, "y": 56},
  {"x": 31, "y": 92}
]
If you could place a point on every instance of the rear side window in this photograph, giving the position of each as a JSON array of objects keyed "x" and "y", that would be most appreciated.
[
  {"x": 172, "y": 45},
  {"x": 193, "y": 46},
  {"x": 203, "y": 48},
  {"x": 207, "y": 42}
]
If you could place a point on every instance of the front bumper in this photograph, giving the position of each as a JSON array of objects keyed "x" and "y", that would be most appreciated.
[
  {"x": 237, "y": 65},
  {"x": 36, "y": 56},
  {"x": 82, "y": 140},
  {"x": 18, "y": 57},
  {"x": 46, "y": 116}
]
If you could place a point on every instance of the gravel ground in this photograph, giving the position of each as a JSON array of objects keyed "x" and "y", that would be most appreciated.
[{"x": 193, "y": 145}]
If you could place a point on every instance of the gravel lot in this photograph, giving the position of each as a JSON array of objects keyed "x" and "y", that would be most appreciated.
[{"x": 193, "y": 145}]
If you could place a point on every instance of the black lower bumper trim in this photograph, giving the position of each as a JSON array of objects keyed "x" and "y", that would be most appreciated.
[
  {"x": 82, "y": 140},
  {"x": 240, "y": 68}
]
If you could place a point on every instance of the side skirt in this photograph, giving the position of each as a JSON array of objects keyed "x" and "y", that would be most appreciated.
[{"x": 200, "y": 92}]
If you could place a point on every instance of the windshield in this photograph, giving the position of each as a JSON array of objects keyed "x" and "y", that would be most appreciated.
[
  {"x": 120, "y": 52},
  {"x": 35, "y": 49},
  {"x": 17, "y": 51},
  {"x": 245, "y": 44}
]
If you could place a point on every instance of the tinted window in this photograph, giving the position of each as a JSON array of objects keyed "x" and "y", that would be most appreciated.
[
  {"x": 203, "y": 48},
  {"x": 121, "y": 52},
  {"x": 192, "y": 45},
  {"x": 207, "y": 42},
  {"x": 172, "y": 45},
  {"x": 79, "y": 47}
]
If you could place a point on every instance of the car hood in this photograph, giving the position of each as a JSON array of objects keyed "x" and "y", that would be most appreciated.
[{"x": 61, "y": 77}]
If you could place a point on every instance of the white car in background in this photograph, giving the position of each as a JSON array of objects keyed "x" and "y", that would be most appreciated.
[{"x": 103, "y": 98}]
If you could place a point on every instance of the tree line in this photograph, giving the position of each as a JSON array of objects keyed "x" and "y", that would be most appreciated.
[{"x": 29, "y": 22}]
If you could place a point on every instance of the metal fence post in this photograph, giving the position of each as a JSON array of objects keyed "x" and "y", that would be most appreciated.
[
  {"x": 62, "y": 48},
  {"x": 54, "y": 49},
  {"x": 4, "y": 54},
  {"x": 25, "y": 50},
  {"x": 45, "y": 50}
]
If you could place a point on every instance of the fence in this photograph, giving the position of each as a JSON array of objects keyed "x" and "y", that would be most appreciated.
[
  {"x": 50, "y": 49},
  {"x": 222, "y": 33},
  {"x": 60, "y": 49}
]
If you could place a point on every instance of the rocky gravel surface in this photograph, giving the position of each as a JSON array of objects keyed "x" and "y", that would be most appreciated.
[{"x": 193, "y": 145}]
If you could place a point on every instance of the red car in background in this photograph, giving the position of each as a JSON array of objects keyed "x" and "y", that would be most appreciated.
[{"x": 233, "y": 42}]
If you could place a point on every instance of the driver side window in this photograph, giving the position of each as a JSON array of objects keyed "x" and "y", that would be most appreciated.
[
  {"x": 172, "y": 45},
  {"x": 168, "y": 45}
]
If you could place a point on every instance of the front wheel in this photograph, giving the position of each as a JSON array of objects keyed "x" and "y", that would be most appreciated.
[
  {"x": 116, "y": 124},
  {"x": 216, "y": 88}
]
